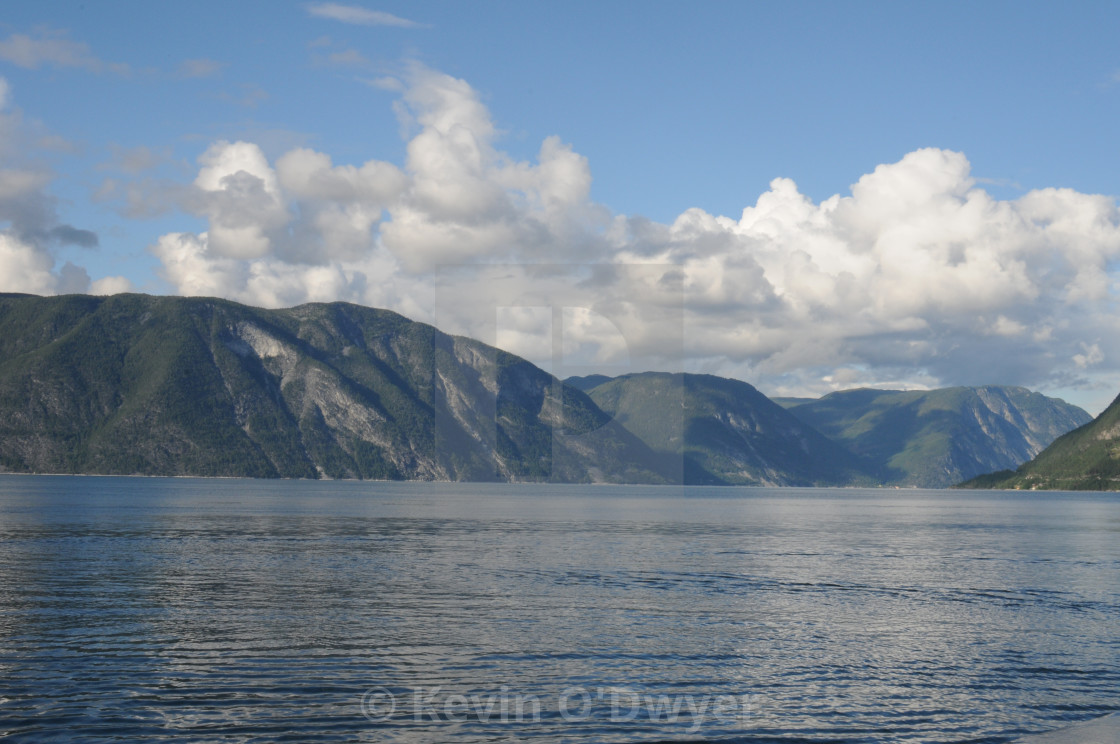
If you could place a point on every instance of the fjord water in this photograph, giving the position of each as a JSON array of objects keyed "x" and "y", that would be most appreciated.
[{"x": 239, "y": 610}]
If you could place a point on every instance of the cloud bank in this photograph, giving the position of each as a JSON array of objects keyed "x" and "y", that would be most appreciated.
[{"x": 917, "y": 277}]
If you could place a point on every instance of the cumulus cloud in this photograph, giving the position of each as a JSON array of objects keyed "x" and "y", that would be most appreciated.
[
  {"x": 304, "y": 230},
  {"x": 236, "y": 189},
  {"x": 110, "y": 285},
  {"x": 340, "y": 206},
  {"x": 466, "y": 200},
  {"x": 916, "y": 277},
  {"x": 457, "y": 198},
  {"x": 306, "y": 211},
  {"x": 916, "y": 269}
]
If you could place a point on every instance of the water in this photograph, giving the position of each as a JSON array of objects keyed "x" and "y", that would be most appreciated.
[{"x": 239, "y": 611}]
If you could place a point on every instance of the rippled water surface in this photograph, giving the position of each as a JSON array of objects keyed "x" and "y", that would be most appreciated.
[{"x": 227, "y": 610}]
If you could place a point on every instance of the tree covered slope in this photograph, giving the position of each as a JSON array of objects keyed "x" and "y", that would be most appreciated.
[
  {"x": 938, "y": 438},
  {"x": 133, "y": 384},
  {"x": 1086, "y": 459}
]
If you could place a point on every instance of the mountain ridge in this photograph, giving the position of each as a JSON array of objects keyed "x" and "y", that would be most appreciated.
[
  {"x": 203, "y": 386},
  {"x": 140, "y": 384},
  {"x": 727, "y": 431},
  {"x": 1084, "y": 459},
  {"x": 938, "y": 438}
]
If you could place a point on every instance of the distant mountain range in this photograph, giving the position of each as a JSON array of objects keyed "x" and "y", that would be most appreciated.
[
  {"x": 1087, "y": 458},
  {"x": 938, "y": 438},
  {"x": 134, "y": 384},
  {"x": 731, "y": 433},
  {"x": 726, "y": 431}
]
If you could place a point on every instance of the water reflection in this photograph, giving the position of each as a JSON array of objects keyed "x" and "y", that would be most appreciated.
[{"x": 259, "y": 610}]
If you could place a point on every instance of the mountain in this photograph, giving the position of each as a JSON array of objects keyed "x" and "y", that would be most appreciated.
[
  {"x": 937, "y": 438},
  {"x": 1085, "y": 459},
  {"x": 133, "y": 384},
  {"x": 726, "y": 431},
  {"x": 587, "y": 382}
]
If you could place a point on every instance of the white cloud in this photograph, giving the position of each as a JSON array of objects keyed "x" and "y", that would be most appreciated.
[
  {"x": 467, "y": 200},
  {"x": 1092, "y": 355},
  {"x": 1004, "y": 326},
  {"x": 24, "y": 268},
  {"x": 54, "y": 50},
  {"x": 340, "y": 207},
  {"x": 917, "y": 277},
  {"x": 307, "y": 211},
  {"x": 458, "y": 199},
  {"x": 917, "y": 269},
  {"x": 360, "y": 16},
  {"x": 303, "y": 231},
  {"x": 525, "y": 330},
  {"x": 30, "y": 228},
  {"x": 590, "y": 338},
  {"x": 110, "y": 285},
  {"x": 237, "y": 191}
]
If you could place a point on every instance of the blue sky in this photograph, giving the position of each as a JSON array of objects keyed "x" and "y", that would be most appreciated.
[{"x": 981, "y": 248}]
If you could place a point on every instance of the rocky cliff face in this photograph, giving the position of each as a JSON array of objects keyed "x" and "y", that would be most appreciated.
[
  {"x": 938, "y": 438},
  {"x": 195, "y": 386},
  {"x": 1087, "y": 458}
]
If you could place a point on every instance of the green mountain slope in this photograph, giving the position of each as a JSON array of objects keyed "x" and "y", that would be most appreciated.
[
  {"x": 726, "y": 431},
  {"x": 1086, "y": 459},
  {"x": 586, "y": 383},
  {"x": 938, "y": 438},
  {"x": 198, "y": 386}
]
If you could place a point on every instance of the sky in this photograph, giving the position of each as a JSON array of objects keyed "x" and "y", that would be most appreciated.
[{"x": 806, "y": 196}]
